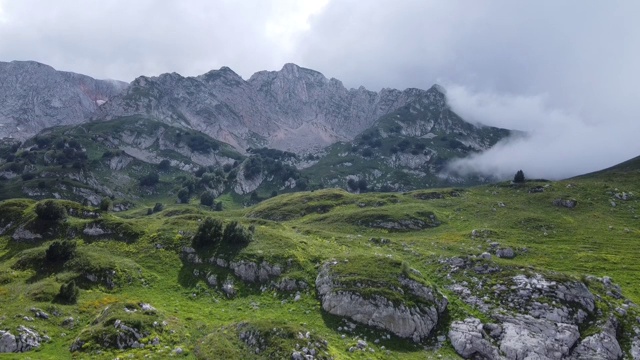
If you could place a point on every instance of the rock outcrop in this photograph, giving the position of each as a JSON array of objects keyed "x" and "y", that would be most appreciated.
[
  {"x": 27, "y": 339},
  {"x": 533, "y": 316},
  {"x": 406, "y": 321},
  {"x": 35, "y": 96},
  {"x": 470, "y": 340}
]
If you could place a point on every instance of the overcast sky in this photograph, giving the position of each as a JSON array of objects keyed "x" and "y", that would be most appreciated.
[{"x": 564, "y": 71}]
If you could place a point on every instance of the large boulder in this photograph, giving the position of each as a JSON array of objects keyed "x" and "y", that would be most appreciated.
[
  {"x": 412, "y": 320},
  {"x": 470, "y": 340},
  {"x": 27, "y": 339}
]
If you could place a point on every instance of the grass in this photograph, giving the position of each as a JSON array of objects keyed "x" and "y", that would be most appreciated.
[{"x": 300, "y": 232}]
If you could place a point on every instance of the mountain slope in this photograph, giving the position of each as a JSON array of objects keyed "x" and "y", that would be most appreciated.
[
  {"x": 406, "y": 149},
  {"x": 35, "y": 96},
  {"x": 438, "y": 273},
  {"x": 294, "y": 109}
]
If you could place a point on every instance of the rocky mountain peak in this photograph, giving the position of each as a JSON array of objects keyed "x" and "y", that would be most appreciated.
[
  {"x": 224, "y": 75},
  {"x": 35, "y": 96}
]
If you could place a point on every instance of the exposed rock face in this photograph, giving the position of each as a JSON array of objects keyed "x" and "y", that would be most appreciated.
[
  {"x": 413, "y": 322},
  {"x": 470, "y": 341},
  {"x": 535, "y": 318},
  {"x": 35, "y": 96},
  {"x": 603, "y": 345},
  {"x": 27, "y": 339},
  {"x": 527, "y": 337},
  {"x": 291, "y": 109}
]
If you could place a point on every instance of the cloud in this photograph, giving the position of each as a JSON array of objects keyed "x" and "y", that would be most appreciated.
[
  {"x": 570, "y": 81},
  {"x": 125, "y": 39},
  {"x": 556, "y": 144},
  {"x": 563, "y": 70}
]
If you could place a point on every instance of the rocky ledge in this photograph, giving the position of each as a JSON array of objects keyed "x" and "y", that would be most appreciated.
[{"x": 412, "y": 321}]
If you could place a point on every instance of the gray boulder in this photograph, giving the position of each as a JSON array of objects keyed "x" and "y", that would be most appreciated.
[
  {"x": 525, "y": 337},
  {"x": 413, "y": 322},
  {"x": 600, "y": 346},
  {"x": 506, "y": 253},
  {"x": 470, "y": 341},
  {"x": 7, "y": 342},
  {"x": 568, "y": 203}
]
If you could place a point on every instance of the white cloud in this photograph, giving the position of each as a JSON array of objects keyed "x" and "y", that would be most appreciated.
[
  {"x": 291, "y": 18},
  {"x": 558, "y": 144}
]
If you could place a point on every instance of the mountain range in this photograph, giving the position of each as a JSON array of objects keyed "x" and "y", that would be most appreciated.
[
  {"x": 206, "y": 218},
  {"x": 333, "y": 136}
]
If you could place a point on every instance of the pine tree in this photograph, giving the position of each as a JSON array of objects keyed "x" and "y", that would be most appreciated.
[{"x": 519, "y": 177}]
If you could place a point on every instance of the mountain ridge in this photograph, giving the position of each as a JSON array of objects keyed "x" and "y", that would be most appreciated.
[{"x": 35, "y": 96}]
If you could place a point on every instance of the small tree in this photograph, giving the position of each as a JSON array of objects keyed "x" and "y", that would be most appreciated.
[
  {"x": 236, "y": 234},
  {"x": 164, "y": 165},
  {"x": 207, "y": 198},
  {"x": 208, "y": 233},
  {"x": 519, "y": 177},
  {"x": 219, "y": 206},
  {"x": 51, "y": 211},
  {"x": 69, "y": 293},
  {"x": 150, "y": 179},
  {"x": 106, "y": 204},
  {"x": 60, "y": 251},
  {"x": 183, "y": 195},
  {"x": 158, "y": 207}
]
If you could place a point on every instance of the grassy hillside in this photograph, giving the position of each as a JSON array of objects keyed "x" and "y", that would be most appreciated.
[{"x": 203, "y": 309}]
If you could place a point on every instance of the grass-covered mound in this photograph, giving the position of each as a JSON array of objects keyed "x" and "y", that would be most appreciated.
[{"x": 261, "y": 340}]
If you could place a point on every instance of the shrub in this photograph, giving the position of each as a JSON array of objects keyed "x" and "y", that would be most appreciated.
[
  {"x": 164, "y": 165},
  {"x": 219, "y": 206},
  {"x": 106, "y": 204},
  {"x": 28, "y": 176},
  {"x": 519, "y": 177},
  {"x": 183, "y": 195},
  {"x": 51, "y": 211},
  {"x": 60, "y": 251},
  {"x": 68, "y": 293},
  {"x": 352, "y": 184},
  {"x": 158, "y": 207},
  {"x": 207, "y": 198},
  {"x": 367, "y": 152},
  {"x": 209, "y": 233},
  {"x": 362, "y": 185},
  {"x": 236, "y": 234},
  {"x": 149, "y": 179}
]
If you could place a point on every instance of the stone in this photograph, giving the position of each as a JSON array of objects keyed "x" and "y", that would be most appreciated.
[
  {"x": 415, "y": 322},
  {"x": 506, "y": 253},
  {"x": 568, "y": 203},
  {"x": 147, "y": 307},
  {"x": 485, "y": 256},
  {"x": 7, "y": 342},
  {"x": 470, "y": 341},
  {"x": 527, "y": 337},
  {"x": 603, "y": 345}
]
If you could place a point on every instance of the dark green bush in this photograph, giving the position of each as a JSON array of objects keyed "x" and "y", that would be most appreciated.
[
  {"x": 150, "y": 179},
  {"x": 68, "y": 293},
  {"x": 183, "y": 195},
  {"x": 51, "y": 211},
  {"x": 206, "y": 198},
  {"x": 60, "y": 251},
  {"x": 164, "y": 165},
  {"x": 106, "y": 204},
  {"x": 209, "y": 233},
  {"x": 158, "y": 207},
  {"x": 236, "y": 234}
]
